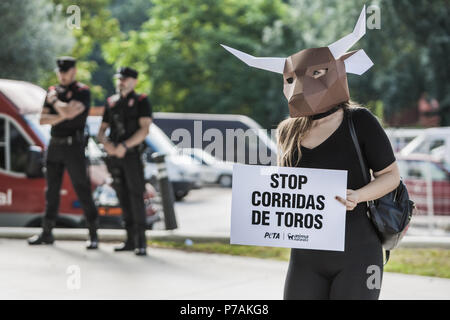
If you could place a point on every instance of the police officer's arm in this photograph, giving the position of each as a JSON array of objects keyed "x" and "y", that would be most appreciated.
[
  {"x": 101, "y": 136},
  {"x": 139, "y": 136},
  {"x": 145, "y": 119},
  {"x": 136, "y": 138},
  {"x": 47, "y": 118},
  {"x": 69, "y": 110},
  {"x": 76, "y": 106}
]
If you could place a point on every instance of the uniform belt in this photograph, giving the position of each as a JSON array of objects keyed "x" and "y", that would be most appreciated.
[
  {"x": 65, "y": 140},
  {"x": 134, "y": 149}
]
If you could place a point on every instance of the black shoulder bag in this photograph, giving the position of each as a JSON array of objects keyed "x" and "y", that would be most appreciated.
[{"x": 390, "y": 214}]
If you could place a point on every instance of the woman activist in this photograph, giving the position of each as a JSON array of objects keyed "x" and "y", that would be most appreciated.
[
  {"x": 317, "y": 135},
  {"x": 325, "y": 142}
]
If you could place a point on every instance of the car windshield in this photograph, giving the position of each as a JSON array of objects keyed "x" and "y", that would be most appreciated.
[
  {"x": 42, "y": 131},
  {"x": 158, "y": 141},
  {"x": 208, "y": 158}
]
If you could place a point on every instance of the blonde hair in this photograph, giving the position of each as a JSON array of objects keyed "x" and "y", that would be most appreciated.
[{"x": 290, "y": 134}]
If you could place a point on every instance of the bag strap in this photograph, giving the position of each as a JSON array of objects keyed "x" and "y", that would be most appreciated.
[
  {"x": 358, "y": 149},
  {"x": 362, "y": 164}
]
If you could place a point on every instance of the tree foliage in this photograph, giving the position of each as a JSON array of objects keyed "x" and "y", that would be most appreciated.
[
  {"x": 175, "y": 45},
  {"x": 428, "y": 27},
  {"x": 184, "y": 67},
  {"x": 97, "y": 27},
  {"x": 32, "y": 34}
]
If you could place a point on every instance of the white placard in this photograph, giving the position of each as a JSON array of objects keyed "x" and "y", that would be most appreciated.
[{"x": 288, "y": 207}]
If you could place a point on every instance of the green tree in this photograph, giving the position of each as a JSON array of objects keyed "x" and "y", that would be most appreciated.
[
  {"x": 184, "y": 68},
  {"x": 130, "y": 15},
  {"x": 312, "y": 24},
  {"x": 428, "y": 24},
  {"x": 97, "y": 26},
  {"x": 32, "y": 34},
  {"x": 409, "y": 51}
]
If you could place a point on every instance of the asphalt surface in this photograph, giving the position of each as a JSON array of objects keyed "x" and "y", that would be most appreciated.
[
  {"x": 204, "y": 210},
  {"x": 66, "y": 270},
  {"x": 209, "y": 210}
]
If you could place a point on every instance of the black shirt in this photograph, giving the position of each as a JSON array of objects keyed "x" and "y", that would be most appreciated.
[
  {"x": 123, "y": 113},
  {"x": 338, "y": 151},
  {"x": 74, "y": 91}
]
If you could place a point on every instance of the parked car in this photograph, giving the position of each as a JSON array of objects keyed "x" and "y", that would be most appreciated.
[
  {"x": 416, "y": 171},
  {"x": 213, "y": 170},
  {"x": 183, "y": 173},
  {"x": 22, "y": 184}
]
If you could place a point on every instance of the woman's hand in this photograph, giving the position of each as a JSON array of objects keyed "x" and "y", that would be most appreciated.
[{"x": 351, "y": 201}]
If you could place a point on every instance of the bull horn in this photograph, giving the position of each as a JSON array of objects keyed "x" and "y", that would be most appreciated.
[
  {"x": 269, "y": 64},
  {"x": 341, "y": 46}
]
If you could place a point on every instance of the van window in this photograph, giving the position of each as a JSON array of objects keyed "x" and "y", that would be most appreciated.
[
  {"x": 2, "y": 143},
  {"x": 19, "y": 149}
]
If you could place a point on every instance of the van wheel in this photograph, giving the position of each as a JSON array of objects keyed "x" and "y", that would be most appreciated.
[
  {"x": 35, "y": 223},
  {"x": 225, "y": 181}
]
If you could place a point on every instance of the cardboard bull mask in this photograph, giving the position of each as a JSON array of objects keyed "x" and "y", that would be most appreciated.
[{"x": 315, "y": 79}]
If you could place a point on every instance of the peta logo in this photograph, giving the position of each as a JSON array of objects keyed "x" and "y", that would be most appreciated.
[
  {"x": 6, "y": 198},
  {"x": 272, "y": 235}
]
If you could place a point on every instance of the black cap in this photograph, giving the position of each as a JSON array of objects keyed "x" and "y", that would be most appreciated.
[
  {"x": 124, "y": 72},
  {"x": 65, "y": 63}
]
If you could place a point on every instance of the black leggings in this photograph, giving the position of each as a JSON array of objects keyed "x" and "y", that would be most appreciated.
[{"x": 355, "y": 273}]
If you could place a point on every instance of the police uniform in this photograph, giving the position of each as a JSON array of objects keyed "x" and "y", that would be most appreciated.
[
  {"x": 66, "y": 150},
  {"x": 122, "y": 115}
]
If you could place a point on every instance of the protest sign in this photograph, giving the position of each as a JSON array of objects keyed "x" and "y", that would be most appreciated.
[{"x": 288, "y": 207}]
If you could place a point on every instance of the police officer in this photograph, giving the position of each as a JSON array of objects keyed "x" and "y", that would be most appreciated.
[
  {"x": 66, "y": 108},
  {"x": 128, "y": 115}
]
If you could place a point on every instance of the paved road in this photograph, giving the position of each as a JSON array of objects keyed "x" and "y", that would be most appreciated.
[
  {"x": 209, "y": 210},
  {"x": 204, "y": 210},
  {"x": 45, "y": 273}
]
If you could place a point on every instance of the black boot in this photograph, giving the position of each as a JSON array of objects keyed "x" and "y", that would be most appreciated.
[
  {"x": 46, "y": 236},
  {"x": 128, "y": 245},
  {"x": 141, "y": 243},
  {"x": 92, "y": 243}
]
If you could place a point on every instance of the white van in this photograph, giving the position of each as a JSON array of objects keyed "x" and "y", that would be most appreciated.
[{"x": 237, "y": 138}]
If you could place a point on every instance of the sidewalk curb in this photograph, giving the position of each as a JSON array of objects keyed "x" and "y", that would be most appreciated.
[
  {"x": 114, "y": 235},
  {"x": 117, "y": 235}
]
